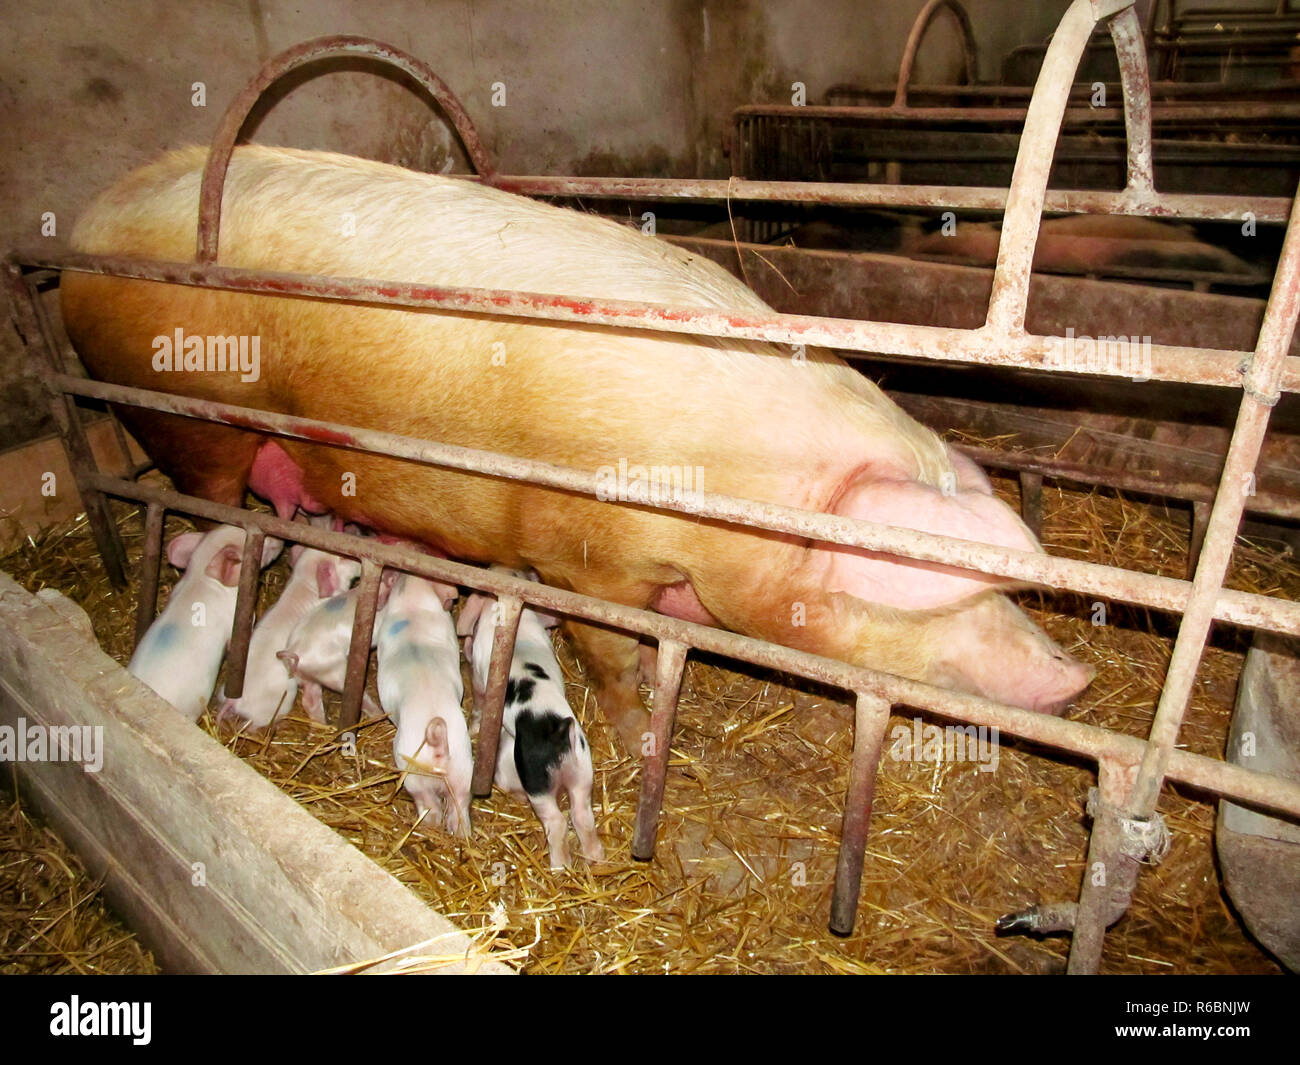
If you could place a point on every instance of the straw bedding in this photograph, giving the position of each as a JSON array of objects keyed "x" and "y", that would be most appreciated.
[{"x": 742, "y": 877}]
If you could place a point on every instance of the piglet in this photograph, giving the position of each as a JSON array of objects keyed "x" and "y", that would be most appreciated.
[
  {"x": 181, "y": 652},
  {"x": 269, "y": 687},
  {"x": 543, "y": 749},
  {"x": 420, "y": 688},
  {"x": 316, "y": 652}
]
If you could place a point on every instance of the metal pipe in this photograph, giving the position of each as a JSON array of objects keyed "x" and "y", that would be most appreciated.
[
  {"x": 275, "y": 68},
  {"x": 1163, "y": 593},
  {"x": 250, "y": 572},
  {"x": 509, "y": 610},
  {"x": 987, "y": 346},
  {"x": 922, "y": 23},
  {"x": 1261, "y": 790},
  {"x": 1258, "y": 397},
  {"x": 363, "y": 631},
  {"x": 871, "y": 715},
  {"x": 1009, "y": 298},
  {"x": 669, "y": 664}
]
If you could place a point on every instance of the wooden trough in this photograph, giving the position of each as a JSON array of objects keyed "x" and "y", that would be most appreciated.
[{"x": 215, "y": 868}]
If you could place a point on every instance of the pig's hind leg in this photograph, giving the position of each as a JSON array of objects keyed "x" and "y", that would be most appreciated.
[{"x": 611, "y": 659}]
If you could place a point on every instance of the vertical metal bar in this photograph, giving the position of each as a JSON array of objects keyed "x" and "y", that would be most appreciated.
[
  {"x": 509, "y": 610},
  {"x": 1031, "y": 501},
  {"x": 363, "y": 630},
  {"x": 1110, "y": 873},
  {"x": 36, "y": 333},
  {"x": 1200, "y": 522},
  {"x": 150, "y": 563},
  {"x": 1135, "y": 80},
  {"x": 1259, "y": 394},
  {"x": 654, "y": 770},
  {"x": 250, "y": 569},
  {"x": 871, "y": 717}
]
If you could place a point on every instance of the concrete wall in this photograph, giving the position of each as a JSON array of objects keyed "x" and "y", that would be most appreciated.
[{"x": 90, "y": 90}]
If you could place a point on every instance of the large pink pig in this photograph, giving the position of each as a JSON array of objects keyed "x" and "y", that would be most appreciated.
[{"x": 736, "y": 417}]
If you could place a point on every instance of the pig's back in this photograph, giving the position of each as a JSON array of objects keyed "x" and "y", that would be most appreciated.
[{"x": 568, "y": 394}]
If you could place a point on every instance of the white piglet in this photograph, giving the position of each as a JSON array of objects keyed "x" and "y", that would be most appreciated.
[
  {"x": 316, "y": 652},
  {"x": 269, "y": 687},
  {"x": 180, "y": 655},
  {"x": 420, "y": 689},
  {"x": 543, "y": 750}
]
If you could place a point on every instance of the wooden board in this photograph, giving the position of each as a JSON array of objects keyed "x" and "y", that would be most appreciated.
[
  {"x": 215, "y": 868},
  {"x": 25, "y": 509}
]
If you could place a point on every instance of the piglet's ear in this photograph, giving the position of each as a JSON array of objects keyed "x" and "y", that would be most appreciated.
[
  {"x": 271, "y": 548},
  {"x": 448, "y": 593},
  {"x": 225, "y": 565},
  {"x": 181, "y": 548},
  {"x": 327, "y": 584},
  {"x": 911, "y": 584}
]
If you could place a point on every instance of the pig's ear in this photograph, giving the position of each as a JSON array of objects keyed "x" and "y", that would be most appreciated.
[
  {"x": 911, "y": 584},
  {"x": 448, "y": 593},
  {"x": 327, "y": 585},
  {"x": 181, "y": 548},
  {"x": 435, "y": 741},
  {"x": 547, "y": 619},
  {"x": 470, "y": 613},
  {"x": 225, "y": 565}
]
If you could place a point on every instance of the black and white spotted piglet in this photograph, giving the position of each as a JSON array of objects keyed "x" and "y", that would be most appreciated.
[{"x": 543, "y": 750}]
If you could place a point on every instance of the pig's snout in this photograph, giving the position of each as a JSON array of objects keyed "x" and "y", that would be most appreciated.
[
  {"x": 1064, "y": 684},
  {"x": 993, "y": 649}
]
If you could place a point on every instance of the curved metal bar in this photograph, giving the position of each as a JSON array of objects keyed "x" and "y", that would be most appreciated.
[
  {"x": 275, "y": 68},
  {"x": 922, "y": 23},
  {"x": 1010, "y": 295},
  {"x": 1135, "y": 80}
]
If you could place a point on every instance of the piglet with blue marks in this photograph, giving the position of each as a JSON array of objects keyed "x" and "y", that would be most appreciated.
[
  {"x": 269, "y": 686},
  {"x": 316, "y": 653},
  {"x": 543, "y": 750},
  {"x": 420, "y": 689},
  {"x": 180, "y": 655}
]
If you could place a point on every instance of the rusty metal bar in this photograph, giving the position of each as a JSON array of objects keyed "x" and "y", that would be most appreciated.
[
  {"x": 1205, "y": 208},
  {"x": 1031, "y": 501},
  {"x": 1135, "y": 81},
  {"x": 336, "y": 47},
  {"x": 669, "y": 664},
  {"x": 1253, "y": 788},
  {"x": 871, "y": 715},
  {"x": 1111, "y": 870},
  {"x": 150, "y": 564},
  {"x": 986, "y": 346},
  {"x": 363, "y": 630},
  {"x": 1009, "y": 298},
  {"x": 919, "y": 26},
  {"x": 1162, "y": 593},
  {"x": 1200, "y": 523},
  {"x": 1258, "y": 397},
  {"x": 34, "y": 328},
  {"x": 250, "y": 572},
  {"x": 509, "y": 610}
]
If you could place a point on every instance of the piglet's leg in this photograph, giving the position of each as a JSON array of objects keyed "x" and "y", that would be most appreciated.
[
  {"x": 313, "y": 701},
  {"x": 584, "y": 823},
  {"x": 557, "y": 828}
]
